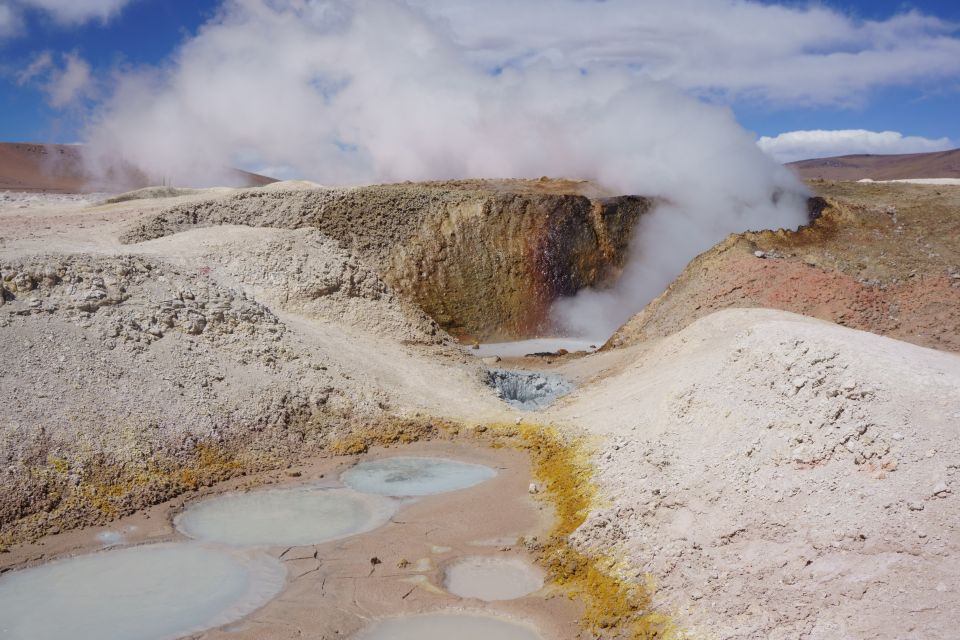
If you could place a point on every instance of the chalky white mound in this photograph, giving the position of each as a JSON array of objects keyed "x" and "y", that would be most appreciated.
[{"x": 782, "y": 477}]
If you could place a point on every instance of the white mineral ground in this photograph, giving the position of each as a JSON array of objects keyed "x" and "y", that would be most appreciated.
[{"x": 777, "y": 476}]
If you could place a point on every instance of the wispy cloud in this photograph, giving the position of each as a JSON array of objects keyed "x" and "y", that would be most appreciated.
[
  {"x": 65, "y": 83},
  {"x": 40, "y": 64},
  {"x": 69, "y": 83},
  {"x": 800, "y": 145},
  {"x": 9, "y": 21},
  {"x": 797, "y": 54},
  {"x": 67, "y": 13},
  {"x": 76, "y": 11}
]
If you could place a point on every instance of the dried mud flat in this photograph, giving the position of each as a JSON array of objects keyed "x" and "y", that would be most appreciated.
[{"x": 773, "y": 475}]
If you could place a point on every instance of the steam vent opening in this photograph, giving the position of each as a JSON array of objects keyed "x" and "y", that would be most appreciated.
[{"x": 528, "y": 390}]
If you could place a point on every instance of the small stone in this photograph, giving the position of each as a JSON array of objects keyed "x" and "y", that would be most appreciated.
[
  {"x": 941, "y": 490},
  {"x": 196, "y": 325},
  {"x": 799, "y": 382},
  {"x": 915, "y": 506},
  {"x": 533, "y": 488},
  {"x": 519, "y": 420},
  {"x": 898, "y": 436},
  {"x": 849, "y": 385},
  {"x": 760, "y": 254}
]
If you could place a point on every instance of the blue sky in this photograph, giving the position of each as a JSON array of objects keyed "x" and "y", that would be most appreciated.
[
  {"x": 145, "y": 32},
  {"x": 132, "y": 34}
]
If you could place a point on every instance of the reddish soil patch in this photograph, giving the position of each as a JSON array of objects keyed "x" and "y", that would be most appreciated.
[{"x": 884, "y": 259}]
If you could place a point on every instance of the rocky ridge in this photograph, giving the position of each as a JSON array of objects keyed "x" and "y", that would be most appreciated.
[{"x": 485, "y": 259}]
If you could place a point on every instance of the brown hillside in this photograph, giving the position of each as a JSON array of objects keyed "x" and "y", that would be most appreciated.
[
  {"x": 59, "y": 168},
  {"x": 941, "y": 164}
]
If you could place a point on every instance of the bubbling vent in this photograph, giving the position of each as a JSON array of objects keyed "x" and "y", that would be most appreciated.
[{"x": 528, "y": 391}]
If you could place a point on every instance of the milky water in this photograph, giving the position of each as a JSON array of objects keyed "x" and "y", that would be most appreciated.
[
  {"x": 520, "y": 348},
  {"x": 492, "y": 578},
  {"x": 292, "y": 516},
  {"x": 444, "y": 626},
  {"x": 414, "y": 476},
  {"x": 151, "y": 592}
]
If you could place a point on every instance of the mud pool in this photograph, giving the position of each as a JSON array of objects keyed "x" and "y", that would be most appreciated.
[
  {"x": 528, "y": 390},
  {"x": 414, "y": 476},
  {"x": 471, "y": 501},
  {"x": 292, "y": 516},
  {"x": 492, "y": 578},
  {"x": 147, "y": 592}
]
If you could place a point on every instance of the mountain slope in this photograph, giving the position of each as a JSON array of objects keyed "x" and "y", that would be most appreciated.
[
  {"x": 940, "y": 164},
  {"x": 60, "y": 168}
]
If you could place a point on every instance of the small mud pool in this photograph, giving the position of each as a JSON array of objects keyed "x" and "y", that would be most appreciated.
[
  {"x": 293, "y": 516},
  {"x": 414, "y": 476},
  {"x": 443, "y": 626},
  {"x": 528, "y": 390},
  {"x": 492, "y": 578},
  {"x": 151, "y": 592}
]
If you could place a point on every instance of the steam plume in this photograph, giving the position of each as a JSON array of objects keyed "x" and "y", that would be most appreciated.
[{"x": 375, "y": 90}]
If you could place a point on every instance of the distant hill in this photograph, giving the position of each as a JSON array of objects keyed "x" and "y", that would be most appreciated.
[
  {"x": 939, "y": 164},
  {"x": 59, "y": 168}
]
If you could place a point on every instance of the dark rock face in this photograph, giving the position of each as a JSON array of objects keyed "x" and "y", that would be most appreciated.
[
  {"x": 485, "y": 259},
  {"x": 490, "y": 270}
]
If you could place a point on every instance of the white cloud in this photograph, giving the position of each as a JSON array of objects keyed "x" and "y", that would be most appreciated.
[
  {"x": 797, "y": 54},
  {"x": 9, "y": 21},
  {"x": 77, "y": 11},
  {"x": 69, "y": 83},
  {"x": 801, "y": 145},
  {"x": 64, "y": 12}
]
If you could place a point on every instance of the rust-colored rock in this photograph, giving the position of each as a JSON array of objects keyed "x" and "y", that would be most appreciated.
[{"x": 881, "y": 258}]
